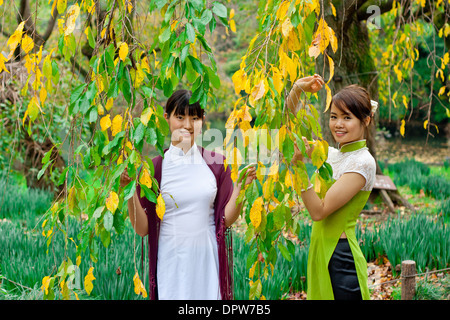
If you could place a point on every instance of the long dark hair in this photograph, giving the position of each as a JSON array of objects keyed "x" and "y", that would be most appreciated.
[{"x": 179, "y": 104}]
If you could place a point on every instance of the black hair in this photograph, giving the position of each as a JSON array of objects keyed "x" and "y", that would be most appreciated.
[{"x": 178, "y": 103}]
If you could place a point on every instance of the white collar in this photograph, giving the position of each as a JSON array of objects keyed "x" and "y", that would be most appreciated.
[{"x": 177, "y": 151}]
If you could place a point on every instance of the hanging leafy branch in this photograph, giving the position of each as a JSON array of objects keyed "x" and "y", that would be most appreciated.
[
  {"x": 273, "y": 62},
  {"x": 124, "y": 74}
]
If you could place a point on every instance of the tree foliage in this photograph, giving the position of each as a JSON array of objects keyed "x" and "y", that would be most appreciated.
[{"x": 107, "y": 67}]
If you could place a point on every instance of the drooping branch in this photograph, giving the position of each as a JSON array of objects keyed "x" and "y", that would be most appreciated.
[{"x": 30, "y": 27}]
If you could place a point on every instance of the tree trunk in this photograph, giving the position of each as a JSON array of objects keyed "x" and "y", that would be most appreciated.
[{"x": 352, "y": 62}]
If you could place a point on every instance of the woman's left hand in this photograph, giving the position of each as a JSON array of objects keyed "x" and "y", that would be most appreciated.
[{"x": 250, "y": 173}]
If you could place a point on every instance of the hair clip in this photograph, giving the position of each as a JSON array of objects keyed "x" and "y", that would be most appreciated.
[{"x": 374, "y": 105}]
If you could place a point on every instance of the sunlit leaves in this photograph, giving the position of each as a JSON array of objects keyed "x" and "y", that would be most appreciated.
[
  {"x": 71, "y": 16},
  {"x": 105, "y": 122},
  {"x": 160, "y": 207},
  {"x": 14, "y": 39},
  {"x": 116, "y": 125},
  {"x": 139, "y": 286},
  {"x": 112, "y": 201},
  {"x": 123, "y": 51},
  {"x": 256, "y": 212},
  {"x": 88, "y": 279},
  {"x": 27, "y": 43}
]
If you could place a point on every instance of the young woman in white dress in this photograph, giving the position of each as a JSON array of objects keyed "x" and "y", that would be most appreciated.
[{"x": 192, "y": 259}]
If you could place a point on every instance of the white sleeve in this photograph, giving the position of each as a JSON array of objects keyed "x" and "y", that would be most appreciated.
[{"x": 365, "y": 166}]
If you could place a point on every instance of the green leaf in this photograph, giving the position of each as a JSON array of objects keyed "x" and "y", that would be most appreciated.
[
  {"x": 255, "y": 290},
  {"x": 219, "y": 9},
  {"x": 108, "y": 220},
  {"x": 284, "y": 251},
  {"x": 206, "y": 17},
  {"x": 139, "y": 133},
  {"x": 190, "y": 32},
  {"x": 41, "y": 172},
  {"x": 129, "y": 190}
]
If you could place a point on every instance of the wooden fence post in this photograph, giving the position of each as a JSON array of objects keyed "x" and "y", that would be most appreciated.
[{"x": 408, "y": 279}]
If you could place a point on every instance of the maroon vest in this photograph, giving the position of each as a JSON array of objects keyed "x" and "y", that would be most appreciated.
[{"x": 223, "y": 236}]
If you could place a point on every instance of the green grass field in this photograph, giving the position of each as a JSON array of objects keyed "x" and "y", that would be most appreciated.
[{"x": 25, "y": 258}]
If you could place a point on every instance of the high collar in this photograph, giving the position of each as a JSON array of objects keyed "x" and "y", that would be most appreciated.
[
  {"x": 177, "y": 151},
  {"x": 352, "y": 146}
]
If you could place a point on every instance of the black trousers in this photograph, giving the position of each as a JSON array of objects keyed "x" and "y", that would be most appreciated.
[{"x": 344, "y": 279}]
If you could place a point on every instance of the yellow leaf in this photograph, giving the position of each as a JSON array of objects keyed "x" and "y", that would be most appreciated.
[
  {"x": 273, "y": 171},
  {"x": 88, "y": 285},
  {"x": 45, "y": 284},
  {"x": 109, "y": 104},
  {"x": 405, "y": 101},
  {"x": 232, "y": 13},
  {"x": 15, "y": 38},
  {"x": 72, "y": 15},
  {"x": 123, "y": 51},
  {"x": 255, "y": 212},
  {"x": 333, "y": 9},
  {"x": 319, "y": 153},
  {"x": 282, "y": 10},
  {"x": 139, "y": 286},
  {"x": 331, "y": 63},
  {"x": 78, "y": 261},
  {"x": 116, "y": 125},
  {"x": 145, "y": 116},
  {"x": 286, "y": 27},
  {"x": 293, "y": 41},
  {"x": 112, "y": 202},
  {"x": 268, "y": 188},
  {"x": 61, "y": 6},
  {"x": 402, "y": 128},
  {"x": 287, "y": 66},
  {"x": 2, "y": 63},
  {"x": 329, "y": 97},
  {"x": 288, "y": 179},
  {"x": 43, "y": 95},
  {"x": 129, "y": 6},
  {"x": 314, "y": 51},
  {"x": 259, "y": 90},
  {"x": 441, "y": 91},
  {"x": 145, "y": 179},
  {"x": 240, "y": 81},
  {"x": 105, "y": 122},
  {"x": 232, "y": 24},
  {"x": 425, "y": 124},
  {"x": 277, "y": 79},
  {"x": 173, "y": 25},
  {"x": 100, "y": 110},
  {"x": 27, "y": 43},
  {"x": 160, "y": 207}
]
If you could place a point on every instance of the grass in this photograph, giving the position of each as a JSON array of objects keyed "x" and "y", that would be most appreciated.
[{"x": 423, "y": 237}]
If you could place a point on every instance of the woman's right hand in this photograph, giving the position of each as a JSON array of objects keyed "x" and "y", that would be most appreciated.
[
  {"x": 124, "y": 179},
  {"x": 298, "y": 155}
]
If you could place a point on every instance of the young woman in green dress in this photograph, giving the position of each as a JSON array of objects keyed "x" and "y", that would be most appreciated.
[{"x": 337, "y": 268}]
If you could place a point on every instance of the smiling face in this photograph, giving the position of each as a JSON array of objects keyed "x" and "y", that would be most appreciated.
[
  {"x": 184, "y": 128},
  {"x": 185, "y": 119},
  {"x": 345, "y": 126}
]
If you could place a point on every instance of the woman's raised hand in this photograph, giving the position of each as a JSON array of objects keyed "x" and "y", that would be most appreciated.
[
  {"x": 298, "y": 155},
  {"x": 124, "y": 179},
  {"x": 310, "y": 84}
]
